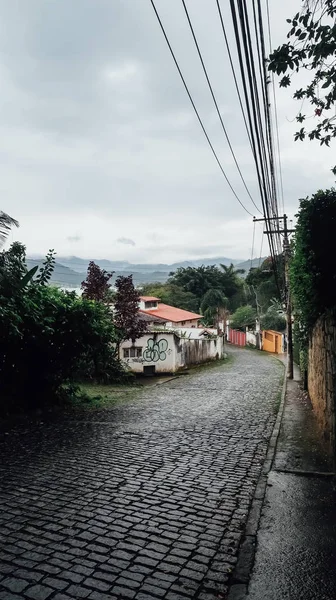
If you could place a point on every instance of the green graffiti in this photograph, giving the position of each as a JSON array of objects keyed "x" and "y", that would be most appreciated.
[{"x": 155, "y": 351}]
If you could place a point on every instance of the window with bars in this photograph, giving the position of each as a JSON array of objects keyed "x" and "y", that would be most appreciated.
[{"x": 134, "y": 352}]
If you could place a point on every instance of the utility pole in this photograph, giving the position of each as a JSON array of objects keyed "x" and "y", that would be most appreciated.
[{"x": 286, "y": 250}]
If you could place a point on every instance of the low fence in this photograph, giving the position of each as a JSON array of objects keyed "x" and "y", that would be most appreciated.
[{"x": 238, "y": 338}]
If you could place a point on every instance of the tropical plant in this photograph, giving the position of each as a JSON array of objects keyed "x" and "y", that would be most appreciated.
[
  {"x": 213, "y": 306},
  {"x": 6, "y": 224},
  {"x": 199, "y": 280}
]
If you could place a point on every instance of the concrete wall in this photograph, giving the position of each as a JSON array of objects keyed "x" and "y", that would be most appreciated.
[
  {"x": 169, "y": 352},
  {"x": 156, "y": 349},
  {"x": 197, "y": 351},
  {"x": 251, "y": 338},
  {"x": 322, "y": 375},
  {"x": 194, "y": 333}
]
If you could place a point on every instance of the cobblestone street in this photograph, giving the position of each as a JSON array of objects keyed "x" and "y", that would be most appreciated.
[{"x": 147, "y": 499}]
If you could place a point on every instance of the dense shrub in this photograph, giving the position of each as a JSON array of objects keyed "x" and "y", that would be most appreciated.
[
  {"x": 313, "y": 267},
  {"x": 49, "y": 337},
  {"x": 245, "y": 316}
]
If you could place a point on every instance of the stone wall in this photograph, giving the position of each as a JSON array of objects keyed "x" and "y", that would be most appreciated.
[{"x": 322, "y": 375}]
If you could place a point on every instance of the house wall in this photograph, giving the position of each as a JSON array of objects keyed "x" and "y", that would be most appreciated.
[
  {"x": 191, "y": 323},
  {"x": 158, "y": 349},
  {"x": 251, "y": 338},
  {"x": 272, "y": 342},
  {"x": 194, "y": 332},
  {"x": 197, "y": 351},
  {"x": 168, "y": 352},
  {"x": 322, "y": 375}
]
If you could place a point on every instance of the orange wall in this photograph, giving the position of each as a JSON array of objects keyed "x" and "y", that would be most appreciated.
[{"x": 272, "y": 342}]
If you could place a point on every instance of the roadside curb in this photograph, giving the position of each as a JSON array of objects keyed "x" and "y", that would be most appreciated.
[{"x": 247, "y": 550}]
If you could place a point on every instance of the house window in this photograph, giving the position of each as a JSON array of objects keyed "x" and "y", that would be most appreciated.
[
  {"x": 132, "y": 352},
  {"x": 183, "y": 323},
  {"x": 151, "y": 304}
]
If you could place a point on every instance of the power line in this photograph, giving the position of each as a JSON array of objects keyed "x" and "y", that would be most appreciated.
[
  {"x": 275, "y": 111},
  {"x": 233, "y": 72},
  {"x": 195, "y": 109},
  {"x": 216, "y": 103},
  {"x": 257, "y": 128}
]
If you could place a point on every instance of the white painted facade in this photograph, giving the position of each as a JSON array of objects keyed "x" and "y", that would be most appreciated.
[
  {"x": 251, "y": 338},
  {"x": 168, "y": 352}
]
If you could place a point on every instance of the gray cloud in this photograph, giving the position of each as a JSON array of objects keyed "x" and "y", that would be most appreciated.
[
  {"x": 74, "y": 238},
  {"x": 126, "y": 241},
  {"x": 98, "y": 135}
]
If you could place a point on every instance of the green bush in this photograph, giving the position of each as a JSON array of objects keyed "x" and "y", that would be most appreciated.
[
  {"x": 273, "y": 320},
  {"x": 313, "y": 267},
  {"x": 49, "y": 337},
  {"x": 245, "y": 316}
]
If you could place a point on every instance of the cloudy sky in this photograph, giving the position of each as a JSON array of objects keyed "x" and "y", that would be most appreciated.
[{"x": 101, "y": 153}]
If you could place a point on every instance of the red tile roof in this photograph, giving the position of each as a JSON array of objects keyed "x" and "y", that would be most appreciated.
[
  {"x": 149, "y": 299},
  {"x": 170, "y": 313}
]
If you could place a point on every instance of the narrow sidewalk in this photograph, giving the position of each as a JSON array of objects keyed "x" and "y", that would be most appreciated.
[{"x": 295, "y": 554}]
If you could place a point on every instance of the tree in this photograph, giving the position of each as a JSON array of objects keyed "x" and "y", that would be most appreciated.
[
  {"x": 245, "y": 316},
  {"x": 311, "y": 47},
  {"x": 213, "y": 305},
  {"x": 126, "y": 309},
  {"x": 199, "y": 280},
  {"x": 6, "y": 223},
  {"x": 273, "y": 319},
  {"x": 261, "y": 284},
  {"x": 96, "y": 285}
]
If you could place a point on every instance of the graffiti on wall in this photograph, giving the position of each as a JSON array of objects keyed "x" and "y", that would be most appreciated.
[{"x": 156, "y": 351}]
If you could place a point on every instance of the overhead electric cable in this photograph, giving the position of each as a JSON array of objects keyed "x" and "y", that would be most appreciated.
[
  {"x": 216, "y": 103},
  {"x": 195, "y": 109},
  {"x": 275, "y": 112},
  {"x": 233, "y": 71},
  {"x": 257, "y": 128}
]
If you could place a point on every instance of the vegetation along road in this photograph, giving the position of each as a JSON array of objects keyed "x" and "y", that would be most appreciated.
[{"x": 145, "y": 499}]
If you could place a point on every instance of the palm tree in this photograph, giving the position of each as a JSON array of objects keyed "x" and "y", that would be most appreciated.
[
  {"x": 213, "y": 305},
  {"x": 6, "y": 223}
]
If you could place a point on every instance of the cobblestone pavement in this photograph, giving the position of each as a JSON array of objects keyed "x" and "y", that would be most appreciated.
[{"x": 145, "y": 500}]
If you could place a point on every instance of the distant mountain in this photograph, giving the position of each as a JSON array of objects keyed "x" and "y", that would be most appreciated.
[
  {"x": 71, "y": 271},
  {"x": 81, "y": 264}
]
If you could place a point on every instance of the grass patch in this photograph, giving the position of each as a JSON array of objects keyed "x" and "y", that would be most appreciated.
[{"x": 94, "y": 395}]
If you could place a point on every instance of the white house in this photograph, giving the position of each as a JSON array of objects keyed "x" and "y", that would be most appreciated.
[{"x": 169, "y": 351}]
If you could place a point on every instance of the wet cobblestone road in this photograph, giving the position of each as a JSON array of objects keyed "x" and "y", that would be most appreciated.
[{"x": 145, "y": 500}]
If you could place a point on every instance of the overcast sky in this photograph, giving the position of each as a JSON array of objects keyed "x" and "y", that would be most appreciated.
[{"x": 101, "y": 153}]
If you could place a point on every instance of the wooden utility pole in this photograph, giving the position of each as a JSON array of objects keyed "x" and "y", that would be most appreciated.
[{"x": 286, "y": 250}]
